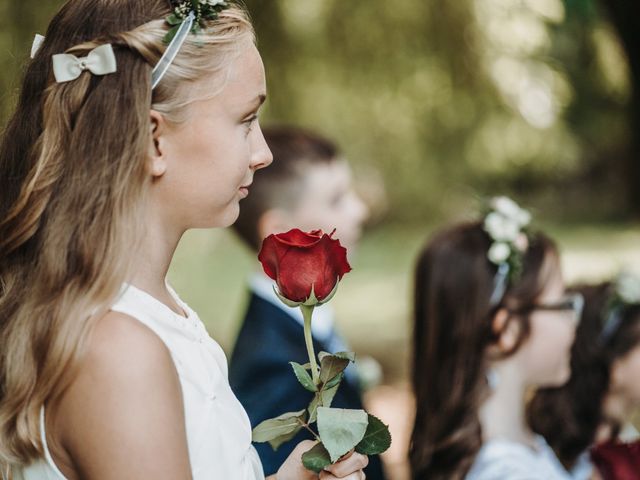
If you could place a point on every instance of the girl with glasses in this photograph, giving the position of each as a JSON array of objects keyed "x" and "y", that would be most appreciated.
[
  {"x": 491, "y": 322},
  {"x": 596, "y": 405}
]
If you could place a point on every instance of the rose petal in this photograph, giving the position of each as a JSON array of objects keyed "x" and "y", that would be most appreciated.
[{"x": 300, "y": 261}]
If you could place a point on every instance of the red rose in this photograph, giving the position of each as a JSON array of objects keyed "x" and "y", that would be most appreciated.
[
  {"x": 298, "y": 261},
  {"x": 617, "y": 460}
]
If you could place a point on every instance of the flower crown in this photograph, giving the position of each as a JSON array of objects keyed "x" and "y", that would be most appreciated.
[
  {"x": 626, "y": 292},
  {"x": 202, "y": 10},
  {"x": 188, "y": 16},
  {"x": 506, "y": 222}
]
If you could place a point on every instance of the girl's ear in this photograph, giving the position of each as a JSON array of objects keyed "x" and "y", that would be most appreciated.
[
  {"x": 506, "y": 330},
  {"x": 157, "y": 164}
]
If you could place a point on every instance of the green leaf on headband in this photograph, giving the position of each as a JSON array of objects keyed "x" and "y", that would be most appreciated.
[
  {"x": 170, "y": 34},
  {"x": 316, "y": 459},
  {"x": 303, "y": 377},
  {"x": 341, "y": 429},
  {"x": 377, "y": 438},
  {"x": 173, "y": 20}
]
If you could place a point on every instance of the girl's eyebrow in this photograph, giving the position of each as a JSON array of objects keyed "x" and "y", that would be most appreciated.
[
  {"x": 256, "y": 104},
  {"x": 259, "y": 100}
]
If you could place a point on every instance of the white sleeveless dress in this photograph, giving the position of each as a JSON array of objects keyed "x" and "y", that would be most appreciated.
[
  {"x": 218, "y": 428},
  {"x": 507, "y": 460}
]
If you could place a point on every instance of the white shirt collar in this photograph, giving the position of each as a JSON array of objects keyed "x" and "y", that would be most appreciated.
[{"x": 323, "y": 316}]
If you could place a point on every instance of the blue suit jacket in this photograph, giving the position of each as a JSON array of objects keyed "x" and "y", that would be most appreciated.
[{"x": 263, "y": 380}]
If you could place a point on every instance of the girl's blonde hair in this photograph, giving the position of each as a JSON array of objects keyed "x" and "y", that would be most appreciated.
[{"x": 72, "y": 164}]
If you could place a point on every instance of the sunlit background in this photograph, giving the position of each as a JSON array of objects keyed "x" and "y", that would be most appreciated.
[{"x": 436, "y": 103}]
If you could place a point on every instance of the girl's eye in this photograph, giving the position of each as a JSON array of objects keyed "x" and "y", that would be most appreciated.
[{"x": 248, "y": 123}]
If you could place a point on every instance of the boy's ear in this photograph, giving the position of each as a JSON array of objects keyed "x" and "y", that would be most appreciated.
[
  {"x": 157, "y": 159},
  {"x": 273, "y": 221}
]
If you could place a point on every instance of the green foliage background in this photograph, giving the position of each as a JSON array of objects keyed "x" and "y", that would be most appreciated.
[{"x": 441, "y": 100}]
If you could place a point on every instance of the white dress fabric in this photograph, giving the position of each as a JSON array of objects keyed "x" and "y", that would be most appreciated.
[
  {"x": 218, "y": 428},
  {"x": 508, "y": 460},
  {"x": 583, "y": 469}
]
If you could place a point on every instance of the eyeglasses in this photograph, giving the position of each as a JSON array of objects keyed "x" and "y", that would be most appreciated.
[{"x": 573, "y": 302}]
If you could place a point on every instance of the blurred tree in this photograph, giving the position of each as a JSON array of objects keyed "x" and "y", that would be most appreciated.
[
  {"x": 19, "y": 21},
  {"x": 625, "y": 16},
  {"x": 444, "y": 98}
]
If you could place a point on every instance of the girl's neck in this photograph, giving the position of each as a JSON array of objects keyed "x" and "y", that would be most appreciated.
[
  {"x": 153, "y": 260},
  {"x": 503, "y": 415}
]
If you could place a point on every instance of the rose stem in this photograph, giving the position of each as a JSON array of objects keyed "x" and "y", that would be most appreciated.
[
  {"x": 306, "y": 425},
  {"x": 307, "y": 312}
]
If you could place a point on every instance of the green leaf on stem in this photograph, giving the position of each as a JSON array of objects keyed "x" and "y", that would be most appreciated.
[
  {"x": 377, "y": 438},
  {"x": 328, "y": 394},
  {"x": 303, "y": 377},
  {"x": 351, "y": 356},
  {"x": 279, "y": 429},
  {"x": 341, "y": 429},
  {"x": 330, "y": 366},
  {"x": 313, "y": 408},
  {"x": 334, "y": 381},
  {"x": 316, "y": 459},
  {"x": 323, "y": 398},
  {"x": 276, "y": 442}
]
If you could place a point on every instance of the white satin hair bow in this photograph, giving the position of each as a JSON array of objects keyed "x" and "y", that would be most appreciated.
[
  {"x": 66, "y": 67},
  {"x": 100, "y": 61}
]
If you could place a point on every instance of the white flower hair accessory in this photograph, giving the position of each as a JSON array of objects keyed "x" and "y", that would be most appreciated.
[
  {"x": 626, "y": 292},
  {"x": 506, "y": 224},
  {"x": 189, "y": 16}
]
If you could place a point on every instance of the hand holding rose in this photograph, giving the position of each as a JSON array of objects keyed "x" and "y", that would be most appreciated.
[
  {"x": 307, "y": 268},
  {"x": 349, "y": 468}
]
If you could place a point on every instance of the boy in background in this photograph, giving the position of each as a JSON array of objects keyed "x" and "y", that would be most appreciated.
[{"x": 309, "y": 187}]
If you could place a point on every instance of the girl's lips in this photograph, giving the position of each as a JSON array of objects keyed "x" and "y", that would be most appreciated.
[{"x": 244, "y": 191}]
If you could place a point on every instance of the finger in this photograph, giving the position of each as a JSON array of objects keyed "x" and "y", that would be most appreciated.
[
  {"x": 359, "y": 475},
  {"x": 352, "y": 464},
  {"x": 346, "y": 455}
]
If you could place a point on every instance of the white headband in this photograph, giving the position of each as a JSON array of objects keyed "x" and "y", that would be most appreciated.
[{"x": 102, "y": 61}]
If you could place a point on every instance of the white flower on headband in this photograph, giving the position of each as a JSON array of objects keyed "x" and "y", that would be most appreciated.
[
  {"x": 499, "y": 253},
  {"x": 511, "y": 210},
  {"x": 504, "y": 224},
  {"x": 501, "y": 228},
  {"x": 213, "y": 3},
  {"x": 628, "y": 288}
]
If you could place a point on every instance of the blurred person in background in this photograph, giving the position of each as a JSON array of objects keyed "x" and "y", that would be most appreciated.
[
  {"x": 491, "y": 321},
  {"x": 596, "y": 405},
  {"x": 309, "y": 187}
]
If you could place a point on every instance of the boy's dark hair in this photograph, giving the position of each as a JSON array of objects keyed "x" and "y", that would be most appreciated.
[{"x": 282, "y": 184}]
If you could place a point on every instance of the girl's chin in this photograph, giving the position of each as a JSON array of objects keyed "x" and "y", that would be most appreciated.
[
  {"x": 562, "y": 377},
  {"x": 230, "y": 215}
]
